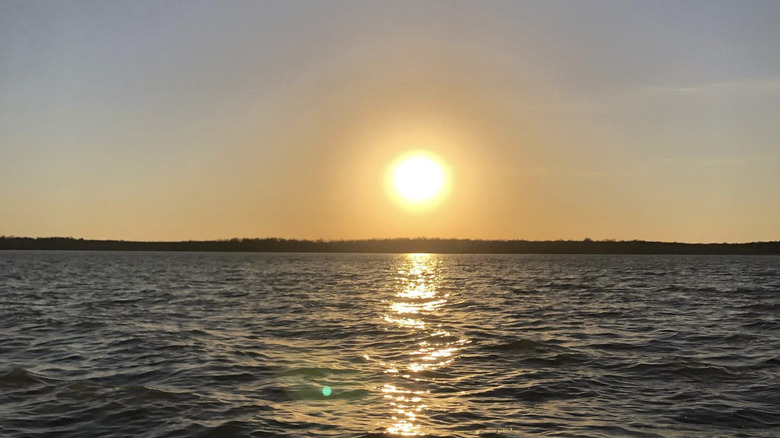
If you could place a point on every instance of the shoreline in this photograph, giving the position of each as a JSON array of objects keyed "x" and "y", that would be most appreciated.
[{"x": 399, "y": 246}]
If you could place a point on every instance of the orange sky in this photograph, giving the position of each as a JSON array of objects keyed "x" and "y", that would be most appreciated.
[{"x": 562, "y": 120}]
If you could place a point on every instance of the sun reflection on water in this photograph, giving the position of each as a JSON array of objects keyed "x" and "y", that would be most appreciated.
[{"x": 418, "y": 308}]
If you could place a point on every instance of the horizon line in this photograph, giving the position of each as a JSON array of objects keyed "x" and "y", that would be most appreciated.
[{"x": 385, "y": 239}]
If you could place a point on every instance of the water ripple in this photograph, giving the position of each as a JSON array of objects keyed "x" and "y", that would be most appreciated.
[{"x": 288, "y": 345}]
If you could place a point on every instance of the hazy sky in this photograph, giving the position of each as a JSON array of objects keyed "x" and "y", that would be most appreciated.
[{"x": 166, "y": 120}]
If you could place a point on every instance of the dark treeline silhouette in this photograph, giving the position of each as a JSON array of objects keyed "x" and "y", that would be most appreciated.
[{"x": 418, "y": 245}]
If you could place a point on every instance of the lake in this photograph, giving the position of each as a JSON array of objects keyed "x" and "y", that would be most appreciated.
[{"x": 165, "y": 344}]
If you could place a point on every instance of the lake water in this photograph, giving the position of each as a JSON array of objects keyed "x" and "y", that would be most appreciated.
[{"x": 351, "y": 345}]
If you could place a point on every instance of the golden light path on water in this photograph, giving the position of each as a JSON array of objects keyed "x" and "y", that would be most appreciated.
[{"x": 417, "y": 307}]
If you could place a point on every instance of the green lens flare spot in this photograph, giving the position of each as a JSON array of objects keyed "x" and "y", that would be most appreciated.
[{"x": 326, "y": 391}]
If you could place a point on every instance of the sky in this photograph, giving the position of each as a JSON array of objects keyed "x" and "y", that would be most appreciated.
[{"x": 179, "y": 120}]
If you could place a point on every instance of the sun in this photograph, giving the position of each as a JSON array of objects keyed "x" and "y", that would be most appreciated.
[{"x": 418, "y": 178}]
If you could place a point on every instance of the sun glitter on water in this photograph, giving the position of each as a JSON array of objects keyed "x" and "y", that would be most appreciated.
[{"x": 418, "y": 179}]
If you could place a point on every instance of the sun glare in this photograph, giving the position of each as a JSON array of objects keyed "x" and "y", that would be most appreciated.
[{"x": 418, "y": 178}]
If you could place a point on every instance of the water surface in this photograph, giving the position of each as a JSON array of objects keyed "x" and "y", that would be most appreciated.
[{"x": 210, "y": 344}]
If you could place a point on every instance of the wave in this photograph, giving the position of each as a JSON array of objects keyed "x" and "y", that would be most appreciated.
[
  {"x": 519, "y": 345},
  {"x": 695, "y": 370},
  {"x": 316, "y": 372},
  {"x": 18, "y": 377},
  {"x": 725, "y": 416}
]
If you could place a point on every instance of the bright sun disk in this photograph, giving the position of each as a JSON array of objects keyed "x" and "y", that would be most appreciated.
[{"x": 418, "y": 178}]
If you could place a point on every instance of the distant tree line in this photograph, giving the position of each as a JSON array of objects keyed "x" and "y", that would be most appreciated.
[{"x": 418, "y": 245}]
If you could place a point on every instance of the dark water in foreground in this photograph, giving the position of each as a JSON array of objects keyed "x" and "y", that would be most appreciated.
[{"x": 222, "y": 345}]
